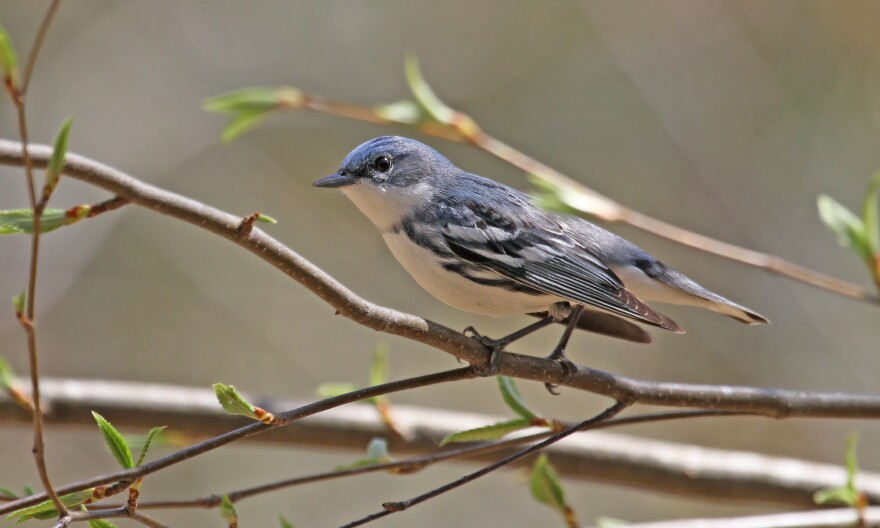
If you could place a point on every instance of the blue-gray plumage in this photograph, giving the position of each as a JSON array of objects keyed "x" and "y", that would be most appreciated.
[{"x": 484, "y": 247}]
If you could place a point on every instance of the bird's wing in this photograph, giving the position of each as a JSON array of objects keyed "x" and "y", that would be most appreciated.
[{"x": 531, "y": 247}]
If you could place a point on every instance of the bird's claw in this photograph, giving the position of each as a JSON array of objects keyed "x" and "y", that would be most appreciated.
[
  {"x": 495, "y": 348},
  {"x": 491, "y": 368},
  {"x": 568, "y": 366}
]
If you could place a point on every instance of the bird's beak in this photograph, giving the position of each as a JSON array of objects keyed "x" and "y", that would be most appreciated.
[{"x": 334, "y": 180}]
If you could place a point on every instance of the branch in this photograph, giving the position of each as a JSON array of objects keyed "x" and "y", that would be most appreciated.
[
  {"x": 389, "y": 508},
  {"x": 616, "y": 459},
  {"x": 775, "y": 403},
  {"x": 37, "y": 46},
  {"x": 115, "y": 513},
  {"x": 28, "y": 318}
]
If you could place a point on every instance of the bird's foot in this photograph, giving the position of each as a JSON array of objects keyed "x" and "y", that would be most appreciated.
[
  {"x": 568, "y": 366},
  {"x": 495, "y": 346}
]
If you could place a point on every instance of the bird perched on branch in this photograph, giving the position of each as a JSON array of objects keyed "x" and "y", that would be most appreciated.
[{"x": 483, "y": 247}]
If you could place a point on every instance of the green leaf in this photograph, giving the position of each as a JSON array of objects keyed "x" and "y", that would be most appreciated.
[
  {"x": 56, "y": 162},
  {"x": 18, "y": 301},
  {"x": 545, "y": 485},
  {"x": 489, "y": 432},
  {"x": 406, "y": 112},
  {"x": 513, "y": 399},
  {"x": 232, "y": 402},
  {"x": 227, "y": 511},
  {"x": 423, "y": 93},
  {"x": 21, "y": 221},
  {"x": 46, "y": 510},
  {"x": 852, "y": 463},
  {"x": 379, "y": 366},
  {"x": 6, "y": 375},
  {"x": 839, "y": 495},
  {"x": 101, "y": 523},
  {"x": 115, "y": 441},
  {"x": 549, "y": 196},
  {"x": 248, "y": 106},
  {"x": 240, "y": 124},
  {"x": 871, "y": 215},
  {"x": 848, "y": 227},
  {"x": 249, "y": 100},
  {"x": 28, "y": 490},
  {"x": 333, "y": 389},
  {"x": 847, "y": 494},
  {"x": 148, "y": 440},
  {"x": 8, "y": 60},
  {"x": 7, "y": 493},
  {"x": 284, "y": 522},
  {"x": 266, "y": 219}
]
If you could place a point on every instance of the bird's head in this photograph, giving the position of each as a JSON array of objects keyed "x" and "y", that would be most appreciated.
[{"x": 388, "y": 177}]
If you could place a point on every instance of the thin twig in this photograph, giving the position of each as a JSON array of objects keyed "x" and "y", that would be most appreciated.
[
  {"x": 37, "y": 46},
  {"x": 680, "y": 469},
  {"x": 113, "y": 513},
  {"x": 394, "y": 507},
  {"x": 591, "y": 202},
  {"x": 413, "y": 464},
  {"x": 672, "y": 232},
  {"x": 28, "y": 319},
  {"x": 146, "y": 520},
  {"x": 126, "y": 477},
  {"x": 107, "y": 205}
]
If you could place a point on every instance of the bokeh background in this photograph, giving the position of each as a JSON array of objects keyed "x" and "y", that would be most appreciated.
[{"x": 728, "y": 118}]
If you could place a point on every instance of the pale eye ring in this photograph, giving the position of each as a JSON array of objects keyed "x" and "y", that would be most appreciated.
[{"x": 382, "y": 163}]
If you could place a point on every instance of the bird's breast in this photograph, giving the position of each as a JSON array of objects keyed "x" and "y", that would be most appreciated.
[{"x": 461, "y": 284}]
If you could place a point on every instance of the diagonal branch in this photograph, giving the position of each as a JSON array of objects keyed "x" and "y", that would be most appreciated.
[
  {"x": 394, "y": 507},
  {"x": 462, "y": 128},
  {"x": 777, "y": 403}
]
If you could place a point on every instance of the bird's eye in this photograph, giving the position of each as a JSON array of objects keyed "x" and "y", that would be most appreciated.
[{"x": 382, "y": 163}]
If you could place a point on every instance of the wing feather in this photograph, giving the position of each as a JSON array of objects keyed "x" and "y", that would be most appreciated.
[{"x": 534, "y": 250}]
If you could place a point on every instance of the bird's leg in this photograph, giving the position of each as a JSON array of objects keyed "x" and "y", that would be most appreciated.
[
  {"x": 558, "y": 353},
  {"x": 496, "y": 346}
]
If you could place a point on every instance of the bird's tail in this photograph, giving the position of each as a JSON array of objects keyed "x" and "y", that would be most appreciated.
[
  {"x": 606, "y": 324},
  {"x": 712, "y": 301}
]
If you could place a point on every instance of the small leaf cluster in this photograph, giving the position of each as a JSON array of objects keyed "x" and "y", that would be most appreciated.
[
  {"x": 847, "y": 494},
  {"x": 234, "y": 403},
  {"x": 21, "y": 221},
  {"x": 119, "y": 448},
  {"x": 861, "y": 234},
  {"x": 249, "y": 106}
]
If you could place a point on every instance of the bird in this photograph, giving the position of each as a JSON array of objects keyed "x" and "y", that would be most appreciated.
[{"x": 486, "y": 248}]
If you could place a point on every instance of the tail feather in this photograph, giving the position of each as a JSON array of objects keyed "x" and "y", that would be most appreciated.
[
  {"x": 607, "y": 325},
  {"x": 712, "y": 301}
]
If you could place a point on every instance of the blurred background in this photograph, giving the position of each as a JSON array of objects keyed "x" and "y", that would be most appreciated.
[{"x": 727, "y": 118}]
